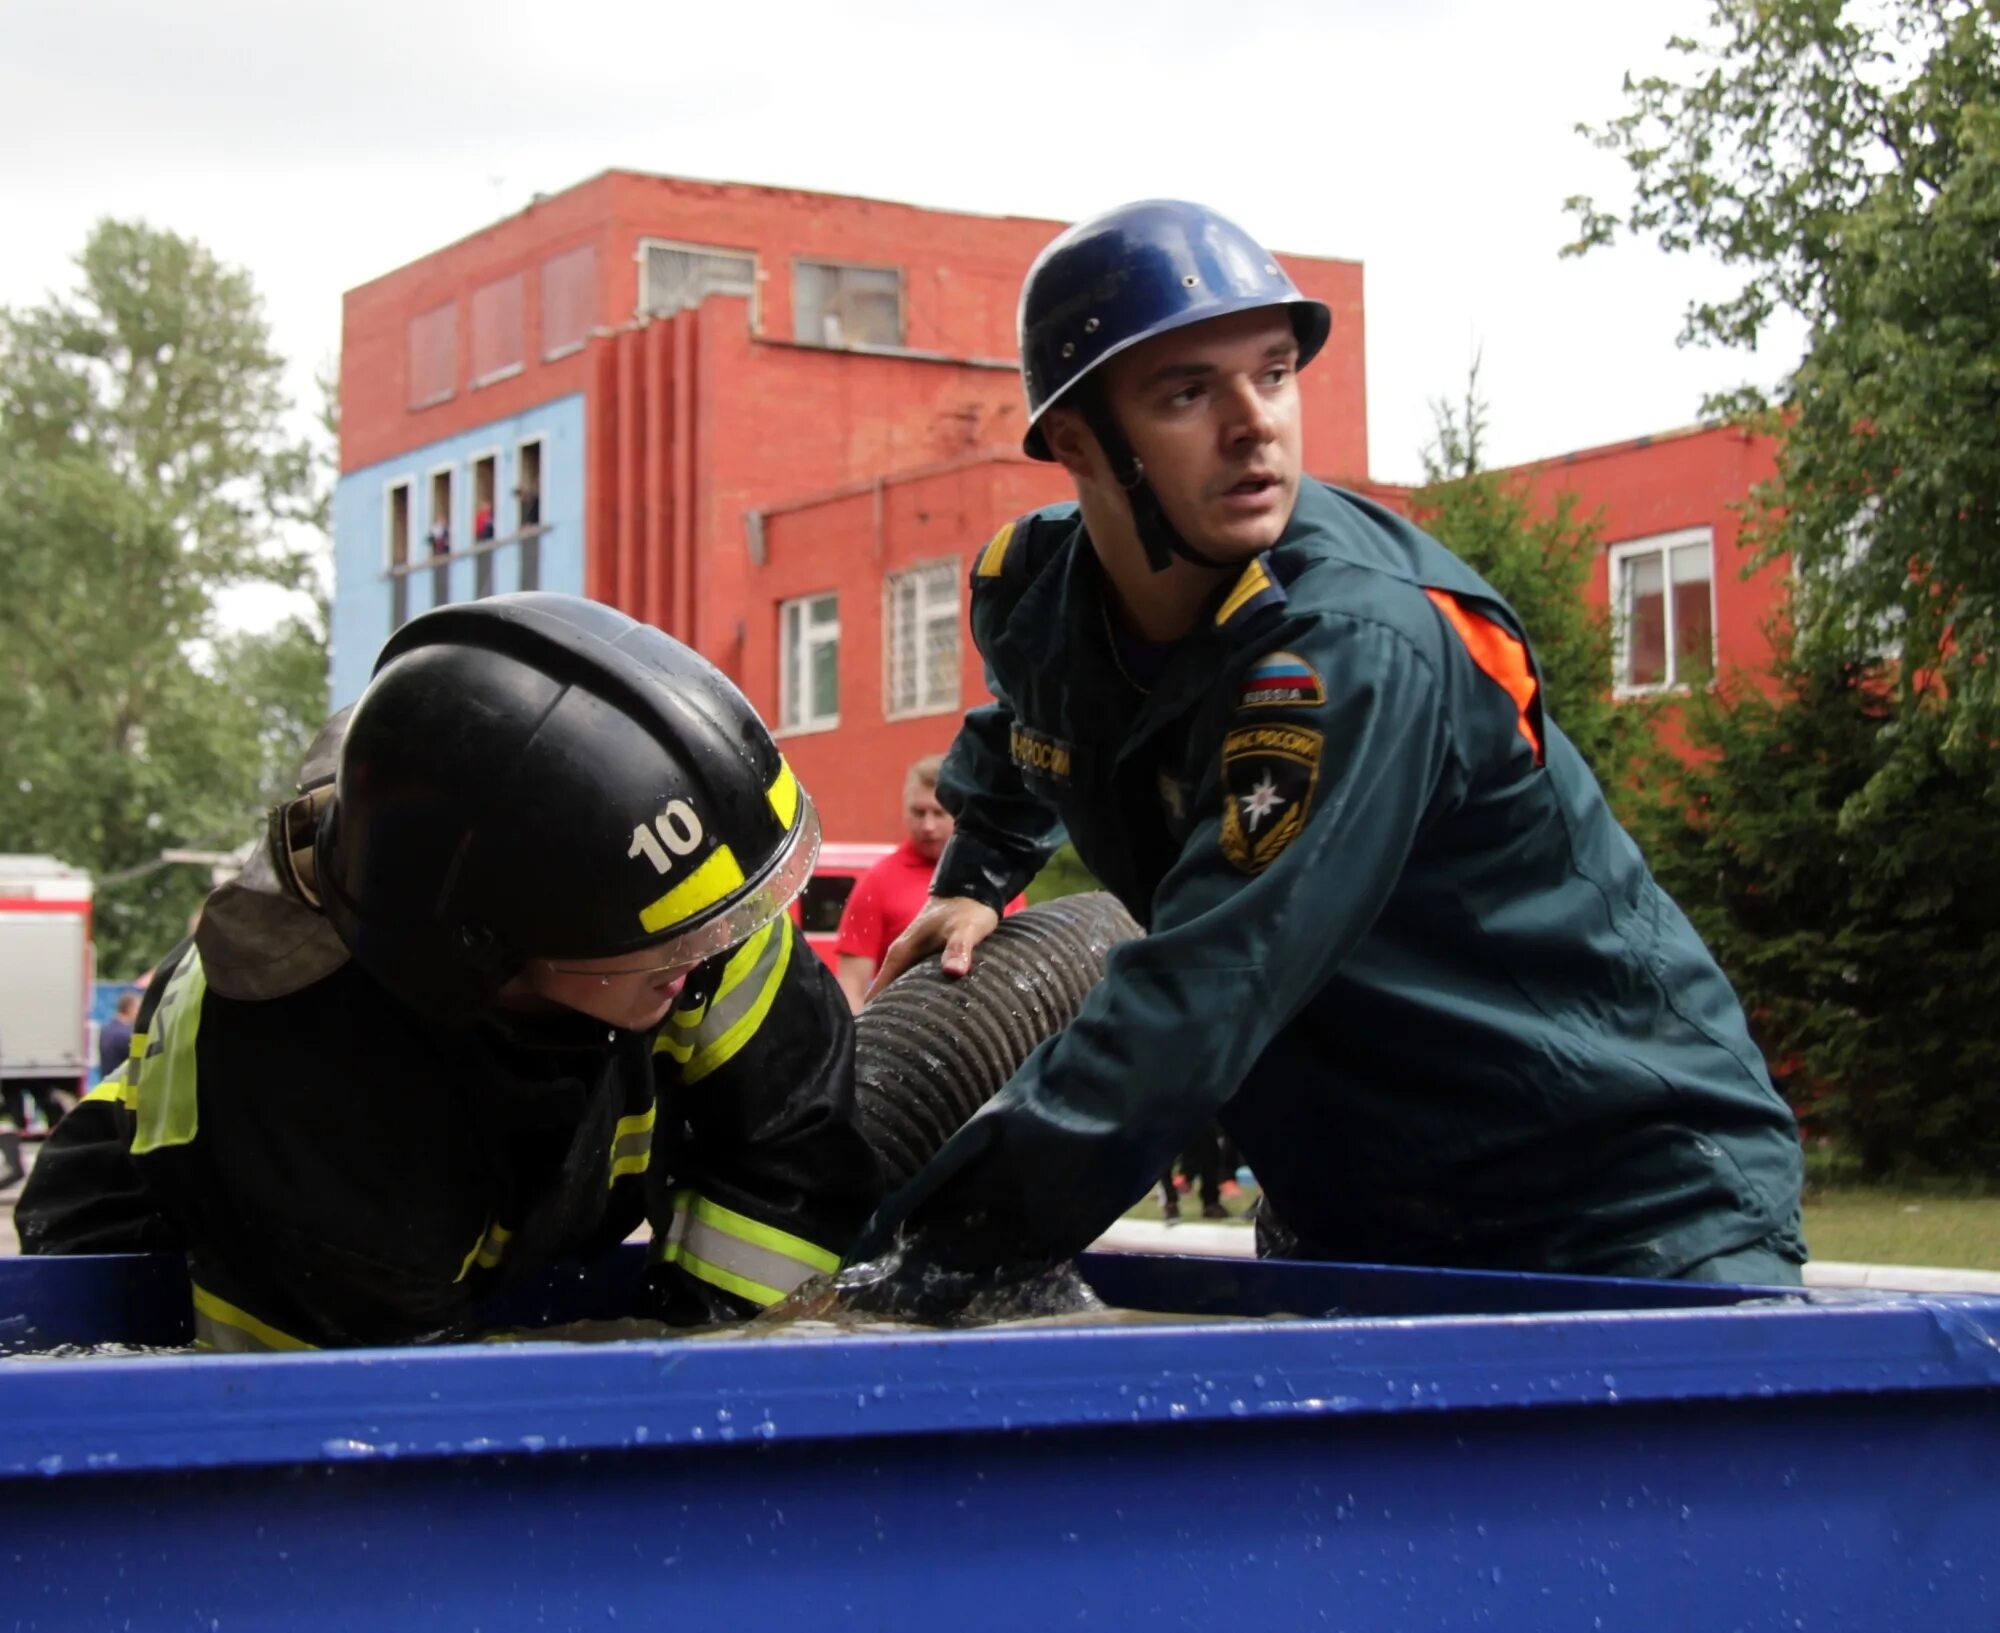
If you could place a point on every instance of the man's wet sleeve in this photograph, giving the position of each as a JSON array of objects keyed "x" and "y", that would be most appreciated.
[
  {"x": 1307, "y": 816},
  {"x": 774, "y": 1177}
]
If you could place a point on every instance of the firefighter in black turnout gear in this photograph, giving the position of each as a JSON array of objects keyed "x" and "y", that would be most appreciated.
[{"x": 514, "y": 973}]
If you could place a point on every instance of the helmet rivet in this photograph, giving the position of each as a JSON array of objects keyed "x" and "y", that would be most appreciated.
[
  {"x": 1190, "y": 281},
  {"x": 1069, "y": 348},
  {"x": 1090, "y": 326}
]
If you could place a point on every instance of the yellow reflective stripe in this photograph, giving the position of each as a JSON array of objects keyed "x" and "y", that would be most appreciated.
[
  {"x": 665, "y": 1045},
  {"x": 664, "y": 1249},
  {"x": 164, "y": 1100},
  {"x": 785, "y": 796},
  {"x": 487, "y": 1251},
  {"x": 1253, "y": 582},
  {"x": 712, "y": 1054},
  {"x": 632, "y": 1144},
  {"x": 494, "y": 1248},
  {"x": 219, "y": 1325},
  {"x": 703, "y": 888},
  {"x": 758, "y": 1234},
  {"x": 736, "y": 1253},
  {"x": 742, "y": 1286},
  {"x": 116, "y": 1088},
  {"x": 995, "y": 553}
]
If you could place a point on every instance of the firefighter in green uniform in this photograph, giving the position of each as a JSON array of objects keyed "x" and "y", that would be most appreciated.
[
  {"x": 1396, "y": 939},
  {"x": 512, "y": 975}
]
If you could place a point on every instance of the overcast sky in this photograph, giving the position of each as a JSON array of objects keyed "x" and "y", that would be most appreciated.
[{"x": 1432, "y": 140}]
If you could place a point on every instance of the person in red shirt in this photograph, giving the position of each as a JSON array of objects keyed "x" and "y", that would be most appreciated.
[{"x": 895, "y": 889}]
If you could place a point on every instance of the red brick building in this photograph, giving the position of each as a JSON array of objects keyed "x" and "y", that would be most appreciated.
[
  {"x": 777, "y": 423},
  {"x": 774, "y": 423},
  {"x": 1673, "y": 566}
]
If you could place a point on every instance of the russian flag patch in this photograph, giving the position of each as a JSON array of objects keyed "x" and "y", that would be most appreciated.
[{"x": 1280, "y": 678}]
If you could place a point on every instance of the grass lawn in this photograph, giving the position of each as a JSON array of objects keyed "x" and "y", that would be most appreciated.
[
  {"x": 1880, "y": 1226},
  {"x": 1859, "y": 1223}
]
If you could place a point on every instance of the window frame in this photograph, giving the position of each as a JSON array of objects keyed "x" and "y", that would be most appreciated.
[
  {"x": 1662, "y": 545},
  {"x": 641, "y": 314},
  {"x": 405, "y": 484},
  {"x": 836, "y": 263},
  {"x": 413, "y": 406},
  {"x": 808, "y": 639},
  {"x": 569, "y": 348},
  {"x": 506, "y": 371},
  {"x": 947, "y": 570}
]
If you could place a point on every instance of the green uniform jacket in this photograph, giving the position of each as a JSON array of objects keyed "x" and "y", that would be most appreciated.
[
  {"x": 1396, "y": 939},
  {"x": 339, "y": 1171}
]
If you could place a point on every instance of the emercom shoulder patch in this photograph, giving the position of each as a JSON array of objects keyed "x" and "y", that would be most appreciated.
[
  {"x": 1280, "y": 678},
  {"x": 1268, "y": 777}
]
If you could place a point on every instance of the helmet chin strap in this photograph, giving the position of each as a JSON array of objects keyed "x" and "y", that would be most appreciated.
[{"x": 1158, "y": 537}]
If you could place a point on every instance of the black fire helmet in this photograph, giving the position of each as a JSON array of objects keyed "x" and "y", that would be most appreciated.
[{"x": 540, "y": 776}]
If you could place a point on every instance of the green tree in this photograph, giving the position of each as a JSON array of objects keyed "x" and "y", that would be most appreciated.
[
  {"x": 1845, "y": 161},
  {"x": 1834, "y": 838},
  {"x": 1541, "y": 559},
  {"x": 145, "y": 466},
  {"x": 1859, "y": 933}
]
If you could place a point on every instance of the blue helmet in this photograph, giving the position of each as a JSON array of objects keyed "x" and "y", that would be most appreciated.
[{"x": 1135, "y": 272}]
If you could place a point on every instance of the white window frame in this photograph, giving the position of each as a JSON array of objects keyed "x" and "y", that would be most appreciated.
[
  {"x": 407, "y": 485},
  {"x": 946, "y": 570},
  {"x": 833, "y": 263},
  {"x": 1885, "y": 641},
  {"x": 795, "y": 653},
  {"x": 450, "y": 470},
  {"x": 539, "y": 440},
  {"x": 731, "y": 251},
  {"x": 1662, "y": 545}
]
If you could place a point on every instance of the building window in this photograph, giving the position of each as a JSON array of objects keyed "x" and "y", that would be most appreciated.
[
  {"x": 528, "y": 510},
  {"x": 679, "y": 277},
  {"x": 433, "y": 355},
  {"x": 1663, "y": 596},
  {"x": 484, "y": 470},
  {"x": 437, "y": 537},
  {"x": 921, "y": 616},
  {"x": 397, "y": 541},
  {"x": 569, "y": 301},
  {"x": 1821, "y": 610},
  {"x": 809, "y": 663},
  {"x": 496, "y": 330},
  {"x": 836, "y": 305}
]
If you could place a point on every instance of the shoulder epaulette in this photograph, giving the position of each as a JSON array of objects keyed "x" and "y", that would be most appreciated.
[
  {"x": 1256, "y": 588},
  {"x": 1019, "y": 549}
]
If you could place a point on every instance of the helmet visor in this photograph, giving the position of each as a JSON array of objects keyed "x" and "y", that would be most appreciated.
[{"x": 755, "y": 906}]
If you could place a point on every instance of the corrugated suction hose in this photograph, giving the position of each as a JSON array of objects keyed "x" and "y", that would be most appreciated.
[{"x": 932, "y": 1048}]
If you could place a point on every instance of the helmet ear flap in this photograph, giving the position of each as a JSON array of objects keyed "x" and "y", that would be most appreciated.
[{"x": 456, "y": 969}]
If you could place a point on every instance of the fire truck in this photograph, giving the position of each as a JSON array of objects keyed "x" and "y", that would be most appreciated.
[{"x": 45, "y": 976}]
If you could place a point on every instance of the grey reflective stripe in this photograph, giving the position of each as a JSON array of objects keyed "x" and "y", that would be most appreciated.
[
  {"x": 699, "y": 1245},
  {"x": 220, "y": 1336},
  {"x": 632, "y": 1145},
  {"x": 742, "y": 990},
  {"x": 220, "y": 1325}
]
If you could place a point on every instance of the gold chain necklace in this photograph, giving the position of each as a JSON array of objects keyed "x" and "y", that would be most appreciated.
[{"x": 1118, "y": 663}]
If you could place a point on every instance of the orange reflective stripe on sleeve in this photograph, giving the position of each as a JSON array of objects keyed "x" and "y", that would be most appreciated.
[{"x": 1500, "y": 656}]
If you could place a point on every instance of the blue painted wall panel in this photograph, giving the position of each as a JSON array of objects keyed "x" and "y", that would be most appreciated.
[{"x": 363, "y": 591}]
